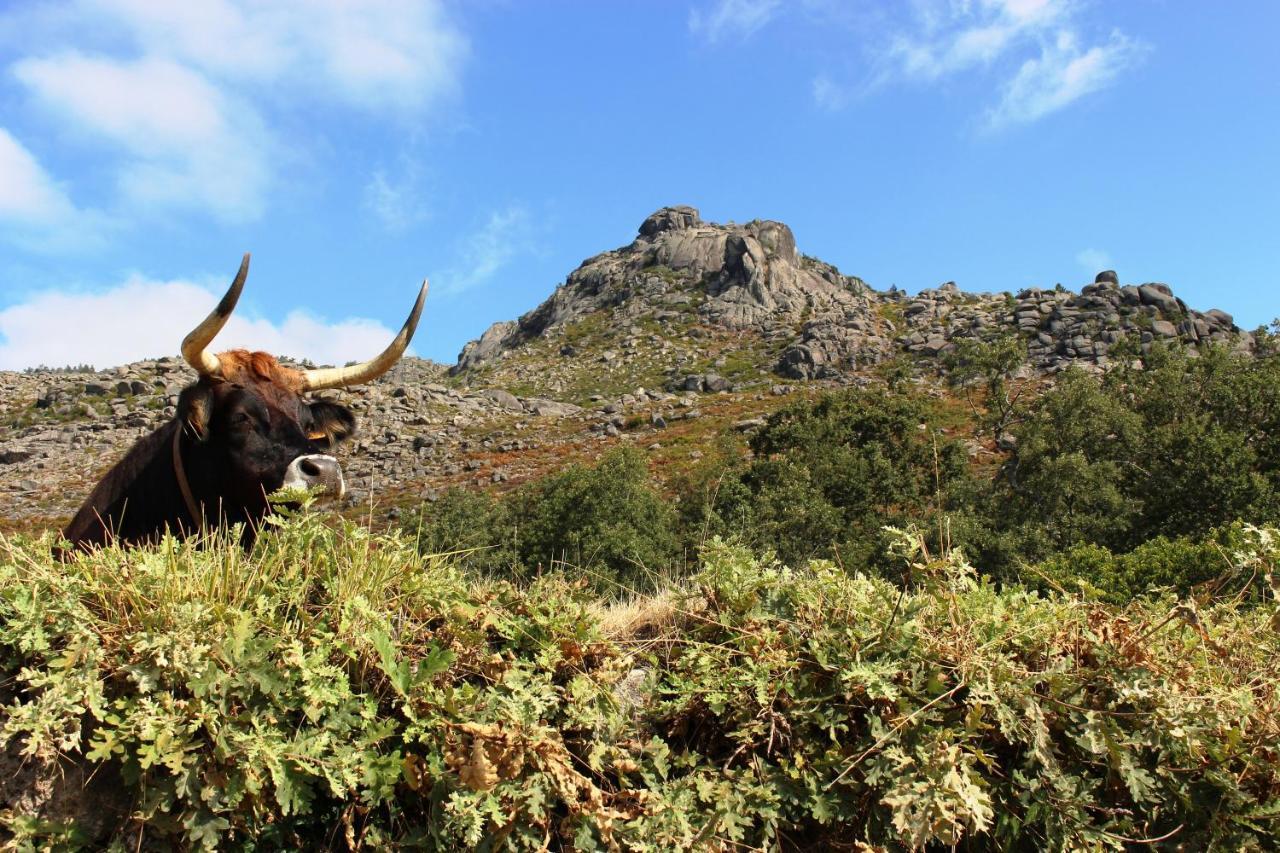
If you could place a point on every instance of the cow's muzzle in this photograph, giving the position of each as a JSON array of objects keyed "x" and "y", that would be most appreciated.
[{"x": 316, "y": 472}]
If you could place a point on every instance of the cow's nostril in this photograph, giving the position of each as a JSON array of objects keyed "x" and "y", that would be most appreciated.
[{"x": 309, "y": 468}]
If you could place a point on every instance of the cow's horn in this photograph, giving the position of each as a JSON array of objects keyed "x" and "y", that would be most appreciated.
[
  {"x": 357, "y": 374},
  {"x": 195, "y": 345}
]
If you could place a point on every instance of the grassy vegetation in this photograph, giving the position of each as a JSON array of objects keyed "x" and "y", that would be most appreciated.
[
  {"x": 837, "y": 626},
  {"x": 335, "y": 689}
]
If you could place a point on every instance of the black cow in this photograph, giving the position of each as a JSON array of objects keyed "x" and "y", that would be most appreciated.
[{"x": 242, "y": 431}]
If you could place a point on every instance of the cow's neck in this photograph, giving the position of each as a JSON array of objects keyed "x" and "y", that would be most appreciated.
[
  {"x": 194, "y": 508},
  {"x": 139, "y": 496}
]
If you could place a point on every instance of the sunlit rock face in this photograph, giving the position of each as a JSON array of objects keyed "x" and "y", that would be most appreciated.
[{"x": 751, "y": 279}]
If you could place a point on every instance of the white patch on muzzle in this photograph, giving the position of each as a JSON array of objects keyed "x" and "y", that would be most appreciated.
[{"x": 316, "y": 471}]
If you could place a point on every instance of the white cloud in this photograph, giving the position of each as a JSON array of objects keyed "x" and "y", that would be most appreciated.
[
  {"x": 185, "y": 144},
  {"x": 397, "y": 54},
  {"x": 394, "y": 201},
  {"x": 35, "y": 211},
  {"x": 144, "y": 319},
  {"x": 1094, "y": 261},
  {"x": 1037, "y": 46},
  {"x": 953, "y": 37},
  {"x": 183, "y": 103},
  {"x": 27, "y": 193},
  {"x": 1061, "y": 75},
  {"x": 504, "y": 236},
  {"x": 738, "y": 18}
]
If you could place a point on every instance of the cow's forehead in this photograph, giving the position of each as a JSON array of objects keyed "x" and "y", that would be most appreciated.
[
  {"x": 259, "y": 374},
  {"x": 260, "y": 369}
]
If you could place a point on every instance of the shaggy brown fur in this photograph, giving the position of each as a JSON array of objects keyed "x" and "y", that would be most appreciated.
[{"x": 245, "y": 367}]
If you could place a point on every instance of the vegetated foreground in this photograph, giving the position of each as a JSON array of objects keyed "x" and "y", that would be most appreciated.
[{"x": 335, "y": 689}]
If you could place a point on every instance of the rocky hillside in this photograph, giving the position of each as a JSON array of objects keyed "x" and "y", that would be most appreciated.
[
  {"x": 684, "y": 280},
  {"x": 693, "y": 330}
]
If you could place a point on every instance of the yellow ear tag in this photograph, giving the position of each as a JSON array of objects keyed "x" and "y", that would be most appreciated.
[{"x": 317, "y": 436}]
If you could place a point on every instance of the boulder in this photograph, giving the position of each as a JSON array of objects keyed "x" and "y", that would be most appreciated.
[
  {"x": 505, "y": 399},
  {"x": 672, "y": 218},
  {"x": 551, "y": 408}
]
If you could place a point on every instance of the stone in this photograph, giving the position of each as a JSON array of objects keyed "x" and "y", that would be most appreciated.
[
  {"x": 1159, "y": 296},
  {"x": 1221, "y": 318},
  {"x": 1108, "y": 276},
  {"x": 505, "y": 399},
  {"x": 714, "y": 383},
  {"x": 673, "y": 218},
  {"x": 551, "y": 408},
  {"x": 1164, "y": 329}
]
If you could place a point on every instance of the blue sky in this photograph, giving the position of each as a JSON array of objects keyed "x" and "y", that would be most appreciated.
[{"x": 355, "y": 148}]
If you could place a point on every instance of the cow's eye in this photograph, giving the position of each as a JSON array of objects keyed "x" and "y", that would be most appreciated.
[{"x": 241, "y": 419}]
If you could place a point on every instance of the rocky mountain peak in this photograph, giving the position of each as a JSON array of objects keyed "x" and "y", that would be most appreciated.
[
  {"x": 741, "y": 278},
  {"x": 750, "y": 279}
]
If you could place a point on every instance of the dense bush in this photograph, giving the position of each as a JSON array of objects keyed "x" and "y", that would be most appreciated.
[
  {"x": 336, "y": 690},
  {"x": 607, "y": 521},
  {"x": 1178, "y": 448},
  {"x": 1177, "y": 565},
  {"x": 829, "y": 475},
  {"x": 477, "y": 529},
  {"x": 1175, "y": 450}
]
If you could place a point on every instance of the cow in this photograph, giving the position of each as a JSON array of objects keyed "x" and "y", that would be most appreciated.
[{"x": 243, "y": 430}]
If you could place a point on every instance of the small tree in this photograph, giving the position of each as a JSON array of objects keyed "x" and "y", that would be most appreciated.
[
  {"x": 607, "y": 520},
  {"x": 986, "y": 375}
]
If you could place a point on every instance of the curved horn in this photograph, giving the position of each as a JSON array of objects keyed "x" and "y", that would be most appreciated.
[
  {"x": 195, "y": 345},
  {"x": 357, "y": 374}
]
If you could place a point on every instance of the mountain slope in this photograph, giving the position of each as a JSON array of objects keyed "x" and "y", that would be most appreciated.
[
  {"x": 808, "y": 321},
  {"x": 693, "y": 329}
]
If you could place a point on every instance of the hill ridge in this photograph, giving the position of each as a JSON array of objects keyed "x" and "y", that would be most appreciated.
[{"x": 750, "y": 278}]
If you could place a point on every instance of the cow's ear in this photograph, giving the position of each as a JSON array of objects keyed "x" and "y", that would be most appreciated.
[
  {"x": 195, "y": 410},
  {"x": 331, "y": 421}
]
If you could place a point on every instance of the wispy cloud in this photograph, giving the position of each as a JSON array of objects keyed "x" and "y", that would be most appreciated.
[
  {"x": 732, "y": 18},
  {"x": 829, "y": 95},
  {"x": 182, "y": 102},
  {"x": 1094, "y": 261},
  {"x": 396, "y": 201},
  {"x": 376, "y": 54},
  {"x": 507, "y": 234},
  {"x": 1062, "y": 74},
  {"x": 157, "y": 314},
  {"x": 1034, "y": 49},
  {"x": 26, "y": 190},
  {"x": 183, "y": 144},
  {"x": 36, "y": 211},
  {"x": 951, "y": 37}
]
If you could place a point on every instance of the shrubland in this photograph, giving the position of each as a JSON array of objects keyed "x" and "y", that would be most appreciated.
[
  {"x": 848, "y": 631},
  {"x": 1132, "y": 461},
  {"x": 335, "y": 689}
]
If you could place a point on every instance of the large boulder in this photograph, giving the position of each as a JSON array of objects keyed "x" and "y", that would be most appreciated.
[{"x": 671, "y": 218}]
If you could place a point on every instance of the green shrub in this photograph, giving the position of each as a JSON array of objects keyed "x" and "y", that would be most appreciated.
[
  {"x": 828, "y": 475},
  {"x": 608, "y": 521},
  {"x": 1176, "y": 449},
  {"x": 478, "y": 529},
  {"x": 1177, "y": 565},
  {"x": 334, "y": 689}
]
